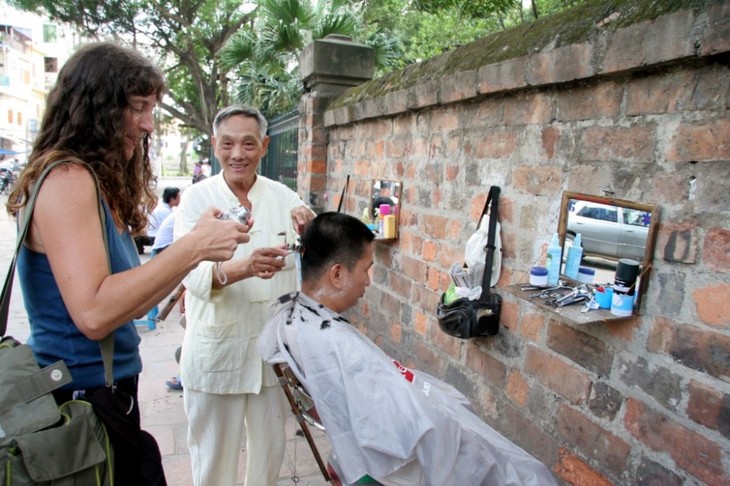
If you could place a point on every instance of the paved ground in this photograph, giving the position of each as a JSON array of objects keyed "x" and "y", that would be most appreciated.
[{"x": 162, "y": 409}]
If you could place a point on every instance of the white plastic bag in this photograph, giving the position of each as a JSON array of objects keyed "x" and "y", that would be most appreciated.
[{"x": 476, "y": 250}]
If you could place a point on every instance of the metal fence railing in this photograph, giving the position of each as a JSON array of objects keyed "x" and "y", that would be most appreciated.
[{"x": 280, "y": 162}]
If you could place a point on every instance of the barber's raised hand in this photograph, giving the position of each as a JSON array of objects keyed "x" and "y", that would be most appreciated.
[
  {"x": 218, "y": 239},
  {"x": 265, "y": 262},
  {"x": 300, "y": 216}
]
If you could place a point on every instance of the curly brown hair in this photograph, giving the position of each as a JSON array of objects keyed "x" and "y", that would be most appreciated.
[{"x": 84, "y": 122}]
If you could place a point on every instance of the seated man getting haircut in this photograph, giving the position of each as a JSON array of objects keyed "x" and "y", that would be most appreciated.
[{"x": 379, "y": 424}]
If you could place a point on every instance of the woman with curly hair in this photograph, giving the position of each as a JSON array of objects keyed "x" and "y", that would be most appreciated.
[{"x": 98, "y": 122}]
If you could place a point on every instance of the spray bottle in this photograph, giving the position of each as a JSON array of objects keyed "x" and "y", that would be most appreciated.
[{"x": 572, "y": 262}]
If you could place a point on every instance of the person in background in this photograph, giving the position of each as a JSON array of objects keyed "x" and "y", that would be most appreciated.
[
  {"x": 228, "y": 390},
  {"x": 206, "y": 170},
  {"x": 98, "y": 122},
  {"x": 164, "y": 236},
  {"x": 197, "y": 171},
  {"x": 397, "y": 426},
  {"x": 170, "y": 199}
]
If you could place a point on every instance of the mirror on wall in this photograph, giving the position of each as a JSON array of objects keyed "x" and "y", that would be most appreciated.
[
  {"x": 611, "y": 229},
  {"x": 388, "y": 192}
]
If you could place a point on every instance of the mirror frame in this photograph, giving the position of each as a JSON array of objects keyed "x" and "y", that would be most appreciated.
[
  {"x": 646, "y": 262},
  {"x": 376, "y": 187}
]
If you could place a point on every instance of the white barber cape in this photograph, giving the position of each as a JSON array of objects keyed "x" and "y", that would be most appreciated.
[{"x": 399, "y": 433}]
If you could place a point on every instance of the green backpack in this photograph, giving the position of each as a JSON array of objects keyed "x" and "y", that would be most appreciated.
[{"x": 40, "y": 442}]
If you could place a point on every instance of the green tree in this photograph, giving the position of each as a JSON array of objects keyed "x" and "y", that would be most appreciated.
[
  {"x": 264, "y": 61},
  {"x": 185, "y": 37}
]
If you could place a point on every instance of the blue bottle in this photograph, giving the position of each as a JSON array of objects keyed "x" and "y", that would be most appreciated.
[
  {"x": 552, "y": 262},
  {"x": 575, "y": 254}
]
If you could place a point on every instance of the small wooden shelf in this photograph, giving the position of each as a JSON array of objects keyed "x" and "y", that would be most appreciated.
[{"x": 570, "y": 313}]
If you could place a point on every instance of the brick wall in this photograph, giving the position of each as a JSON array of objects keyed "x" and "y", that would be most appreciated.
[{"x": 643, "y": 110}]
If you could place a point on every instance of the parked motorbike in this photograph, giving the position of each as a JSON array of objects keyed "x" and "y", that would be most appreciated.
[{"x": 7, "y": 179}]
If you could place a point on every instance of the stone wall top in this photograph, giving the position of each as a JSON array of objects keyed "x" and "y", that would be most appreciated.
[{"x": 595, "y": 39}]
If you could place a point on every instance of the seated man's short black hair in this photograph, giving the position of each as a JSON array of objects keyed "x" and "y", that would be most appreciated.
[{"x": 333, "y": 238}]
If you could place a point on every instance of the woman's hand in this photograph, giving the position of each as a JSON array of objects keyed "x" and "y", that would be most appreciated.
[{"x": 217, "y": 239}]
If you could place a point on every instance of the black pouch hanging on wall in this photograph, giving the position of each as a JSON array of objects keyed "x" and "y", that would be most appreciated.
[{"x": 464, "y": 318}]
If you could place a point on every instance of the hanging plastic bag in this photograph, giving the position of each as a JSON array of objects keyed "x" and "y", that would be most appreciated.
[{"x": 476, "y": 250}]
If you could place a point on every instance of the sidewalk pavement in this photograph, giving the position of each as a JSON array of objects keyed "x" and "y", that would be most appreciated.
[{"x": 162, "y": 409}]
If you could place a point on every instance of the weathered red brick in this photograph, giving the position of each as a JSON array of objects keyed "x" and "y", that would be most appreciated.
[
  {"x": 435, "y": 225},
  {"x": 655, "y": 41},
  {"x": 517, "y": 388},
  {"x": 550, "y": 140},
  {"x": 716, "y": 250},
  {"x": 713, "y": 304},
  {"x": 414, "y": 269},
  {"x": 588, "y": 351},
  {"x": 605, "y": 400},
  {"x": 460, "y": 86},
  {"x": 668, "y": 93},
  {"x": 566, "y": 63},
  {"x": 716, "y": 36},
  {"x": 602, "y": 101},
  {"x": 508, "y": 315},
  {"x": 497, "y": 144},
  {"x": 574, "y": 471},
  {"x": 710, "y": 407},
  {"x": 523, "y": 430},
  {"x": 531, "y": 325},
  {"x": 420, "y": 323},
  {"x": 694, "y": 453},
  {"x": 539, "y": 181},
  {"x": 531, "y": 110},
  {"x": 557, "y": 375},
  {"x": 593, "y": 440},
  {"x": 505, "y": 75},
  {"x": 701, "y": 349},
  {"x": 634, "y": 144},
  {"x": 708, "y": 141},
  {"x": 483, "y": 364}
]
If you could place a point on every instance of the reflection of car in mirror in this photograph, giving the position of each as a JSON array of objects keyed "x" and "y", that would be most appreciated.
[{"x": 609, "y": 231}]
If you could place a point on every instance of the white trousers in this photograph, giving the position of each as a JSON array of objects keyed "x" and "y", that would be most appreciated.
[{"x": 216, "y": 424}]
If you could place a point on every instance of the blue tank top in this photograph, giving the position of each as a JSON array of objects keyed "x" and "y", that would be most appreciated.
[{"x": 54, "y": 336}]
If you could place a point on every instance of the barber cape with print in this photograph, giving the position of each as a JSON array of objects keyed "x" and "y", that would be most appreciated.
[{"x": 379, "y": 424}]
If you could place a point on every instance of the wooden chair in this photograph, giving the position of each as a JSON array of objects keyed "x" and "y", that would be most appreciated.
[{"x": 302, "y": 406}]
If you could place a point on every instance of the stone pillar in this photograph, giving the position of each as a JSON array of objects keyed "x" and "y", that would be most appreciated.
[{"x": 328, "y": 67}]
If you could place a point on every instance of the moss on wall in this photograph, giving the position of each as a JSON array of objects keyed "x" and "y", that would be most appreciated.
[{"x": 580, "y": 24}]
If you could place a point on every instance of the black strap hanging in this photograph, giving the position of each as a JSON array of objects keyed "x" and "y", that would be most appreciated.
[
  {"x": 493, "y": 215},
  {"x": 344, "y": 190}
]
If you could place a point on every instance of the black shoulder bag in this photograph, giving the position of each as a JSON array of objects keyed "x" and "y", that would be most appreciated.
[{"x": 464, "y": 318}]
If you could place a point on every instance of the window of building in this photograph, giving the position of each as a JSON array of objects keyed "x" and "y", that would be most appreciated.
[
  {"x": 51, "y": 64},
  {"x": 10, "y": 116},
  {"x": 20, "y": 118},
  {"x": 50, "y": 33}
]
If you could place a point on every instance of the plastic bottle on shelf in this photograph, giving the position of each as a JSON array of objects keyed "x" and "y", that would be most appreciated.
[
  {"x": 389, "y": 226},
  {"x": 554, "y": 251},
  {"x": 383, "y": 211},
  {"x": 575, "y": 254}
]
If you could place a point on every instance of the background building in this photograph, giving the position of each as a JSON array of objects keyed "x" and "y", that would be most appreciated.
[{"x": 32, "y": 50}]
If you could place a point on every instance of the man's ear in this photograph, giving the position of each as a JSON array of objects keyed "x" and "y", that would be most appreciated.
[{"x": 336, "y": 275}]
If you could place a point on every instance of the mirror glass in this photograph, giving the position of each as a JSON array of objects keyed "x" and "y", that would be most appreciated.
[
  {"x": 385, "y": 191},
  {"x": 610, "y": 229}
]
